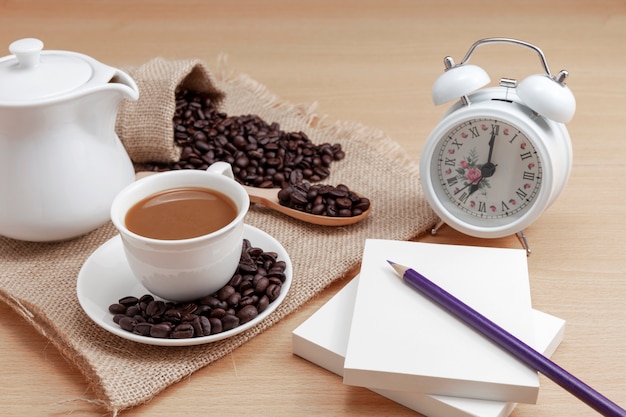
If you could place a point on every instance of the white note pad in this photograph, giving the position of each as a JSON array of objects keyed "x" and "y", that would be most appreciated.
[
  {"x": 401, "y": 341},
  {"x": 323, "y": 338}
]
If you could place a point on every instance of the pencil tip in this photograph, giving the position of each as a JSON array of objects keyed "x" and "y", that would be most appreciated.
[{"x": 397, "y": 267}]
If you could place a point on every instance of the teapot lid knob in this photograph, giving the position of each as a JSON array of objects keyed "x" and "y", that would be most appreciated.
[{"x": 27, "y": 51}]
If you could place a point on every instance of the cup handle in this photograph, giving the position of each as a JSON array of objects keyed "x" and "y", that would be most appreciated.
[{"x": 222, "y": 168}]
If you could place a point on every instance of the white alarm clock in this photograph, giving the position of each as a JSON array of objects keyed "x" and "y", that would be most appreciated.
[{"x": 501, "y": 155}]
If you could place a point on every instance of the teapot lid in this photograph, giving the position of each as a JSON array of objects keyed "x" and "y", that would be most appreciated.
[{"x": 32, "y": 75}]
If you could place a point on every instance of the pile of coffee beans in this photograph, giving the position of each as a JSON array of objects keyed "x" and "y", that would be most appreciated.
[
  {"x": 323, "y": 200},
  {"x": 255, "y": 285},
  {"x": 261, "y": 154}
]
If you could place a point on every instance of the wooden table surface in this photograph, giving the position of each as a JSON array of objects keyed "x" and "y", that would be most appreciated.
[{"x": 373, "y": 62}]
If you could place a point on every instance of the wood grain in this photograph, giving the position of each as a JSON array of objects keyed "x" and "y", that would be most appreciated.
[{"x": 372, "y": 62}]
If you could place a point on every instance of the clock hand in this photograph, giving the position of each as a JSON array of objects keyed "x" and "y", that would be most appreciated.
[
  {"x": 461, "y": 189},
  {"x": 475, "y": 187},
  {"x": 492, "y": 142},
  {"x": 489, "y": 168}
]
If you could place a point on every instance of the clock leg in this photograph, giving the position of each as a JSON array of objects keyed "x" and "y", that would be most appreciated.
[
  {"x": 521, "y": 235},
  {"x": 435, "y": 229}
]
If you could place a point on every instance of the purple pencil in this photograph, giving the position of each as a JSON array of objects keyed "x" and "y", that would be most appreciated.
[{"x": 520, "y": 350}]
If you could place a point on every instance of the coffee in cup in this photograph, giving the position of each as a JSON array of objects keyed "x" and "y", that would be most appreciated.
[{"x": 181, "y": 213}]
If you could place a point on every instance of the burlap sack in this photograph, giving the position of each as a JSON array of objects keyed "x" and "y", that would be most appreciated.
[
  {"x": 145, "y": 126},
  {"x": 123, "y": 373}
]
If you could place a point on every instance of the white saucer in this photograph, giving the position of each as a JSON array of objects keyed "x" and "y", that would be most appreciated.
[{"x": 106, "y": 277}]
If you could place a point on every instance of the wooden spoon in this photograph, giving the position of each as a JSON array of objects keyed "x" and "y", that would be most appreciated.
[{"x": 268, "y": 197}]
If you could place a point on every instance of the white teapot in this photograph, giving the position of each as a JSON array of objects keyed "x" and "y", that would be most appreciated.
[{"x": 61, "y": 162}]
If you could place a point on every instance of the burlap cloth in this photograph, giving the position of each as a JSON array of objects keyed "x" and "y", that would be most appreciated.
[{"x": 38, "y": 280}]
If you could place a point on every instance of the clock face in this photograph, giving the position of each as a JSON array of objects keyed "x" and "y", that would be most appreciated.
[{"x": 488, "y": 171}]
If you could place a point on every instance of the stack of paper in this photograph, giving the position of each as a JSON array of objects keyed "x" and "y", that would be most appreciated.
[{"x": 379, "y": 333}]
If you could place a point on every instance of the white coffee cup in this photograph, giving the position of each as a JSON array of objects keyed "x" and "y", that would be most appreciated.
[{"x": 185, "y": 269}]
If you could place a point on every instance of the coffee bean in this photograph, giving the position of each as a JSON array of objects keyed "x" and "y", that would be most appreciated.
[
  {"x": 363, "y": 204},
  {"x": 284, "y": 193},
  {"x": 173, "y": 316},
  {"x": 183, "y": 331},
  {"x": 216, "y": 325},
  {"x": 205, "y": 323},
  {"x": 217, "y": 313},
  {"x": 261, "y": 285},
  {"x": 161, "y": 330},
  {"x": 155, "y": 308},
  {"x": 263, "y": 303},
  {"x": 277, "y": 280},
  {"x": 247, "y": 313},
  {"x": 344, "y": 202},
  {"x": 229, "y": 321},
  {"x": 225, "y": 292},
  {"x": 133, "y": 310},
  {"x": 118, "y": 317},
  {"x": 143, "y": 329},
  {"x": 203, "y": 310},
  {"x": 210, "y": 301},
  {"x": 298, "y": 198},
  {"x": 117, "y": 308},
  {"x": 236, "y": 280},
  {"x": 145, "y": 300},
  {"x": 186, "y": 309},
  {"x": 234, "y": 299},
  {"x": 246, "y": 300},
  {"x": 189, "y": 318},
  {"x": 272, "y": 292},
  {"x": 197, "y": 327},
  {"x": 127, "y": 323},
  {"x": 128, "y": 301}
]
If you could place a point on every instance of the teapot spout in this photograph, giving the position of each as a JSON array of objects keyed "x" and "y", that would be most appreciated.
[{"x": 126, "y": 85}]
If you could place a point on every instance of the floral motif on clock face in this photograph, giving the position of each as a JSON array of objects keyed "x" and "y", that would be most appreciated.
[
  {"x": 488, "y": 169},
  {"x": 469, "y": 171}
]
